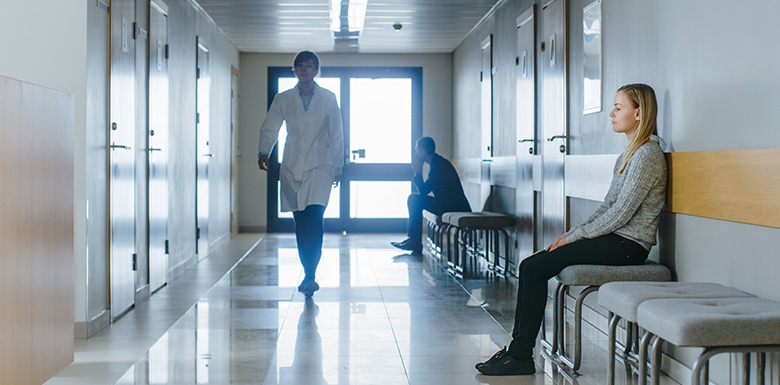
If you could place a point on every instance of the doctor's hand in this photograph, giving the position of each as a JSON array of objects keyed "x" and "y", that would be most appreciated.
[
  {"x": 262, "y": 162},
  {"x": 558, "y": 242},
  {"x": 336, "y": 180}
]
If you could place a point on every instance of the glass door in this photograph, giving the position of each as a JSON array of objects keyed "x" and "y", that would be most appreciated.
[{"x": 382, "y": 118}]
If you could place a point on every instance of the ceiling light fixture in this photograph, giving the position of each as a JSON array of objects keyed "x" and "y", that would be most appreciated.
[{"x": 347, "y": 19}]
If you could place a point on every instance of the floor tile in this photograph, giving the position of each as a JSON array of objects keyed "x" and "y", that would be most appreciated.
[{"x": 380, "y": 317}]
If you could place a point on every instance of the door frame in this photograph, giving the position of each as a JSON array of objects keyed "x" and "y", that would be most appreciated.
[{"x": 351, "y": 171}]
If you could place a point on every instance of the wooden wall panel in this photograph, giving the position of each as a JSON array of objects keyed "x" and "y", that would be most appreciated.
[
  {"x": 36, "y": 232},
  {"x": 735, "y": 185}
]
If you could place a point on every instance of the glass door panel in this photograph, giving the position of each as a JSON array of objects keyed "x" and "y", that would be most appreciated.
[
  {"x": 382, "y": 199},
  {"x": 380, "y": 120}
]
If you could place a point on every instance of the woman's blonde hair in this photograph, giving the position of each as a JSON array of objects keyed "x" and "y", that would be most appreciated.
[{"x": 641, "y": 96}]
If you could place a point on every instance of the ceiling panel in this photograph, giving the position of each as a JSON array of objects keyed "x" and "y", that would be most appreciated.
[{"x": 293, "y": 25}]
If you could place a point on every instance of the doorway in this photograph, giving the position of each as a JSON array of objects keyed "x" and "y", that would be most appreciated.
[
  {"x": 382, "y": 118},
  {"x": 121, "y": 134},
  {"x": 158, "y": 145},
  {"x": 554, "y": 110},
  {"x": 203, "y": 154}
]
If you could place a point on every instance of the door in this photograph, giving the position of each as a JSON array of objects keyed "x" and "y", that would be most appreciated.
[
  {"x": 553, "y": 119},
  {"x": 486, "y": 119},
  {"x": 204, "y": 155},
  {"x": 122, "y": 158},
  {"x": 525, "y": 131},
  {"x": 234, "y": 153},
  {"x": 381, "y": 112},
  {"x": 158, "y": 144}
]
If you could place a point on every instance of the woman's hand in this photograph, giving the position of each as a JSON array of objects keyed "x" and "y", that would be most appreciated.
[
  {"x": 262, "y": 162},
  {"x": 558, "y": 242}
]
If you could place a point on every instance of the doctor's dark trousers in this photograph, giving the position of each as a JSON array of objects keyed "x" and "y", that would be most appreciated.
[{"x": 309, "y": 227}]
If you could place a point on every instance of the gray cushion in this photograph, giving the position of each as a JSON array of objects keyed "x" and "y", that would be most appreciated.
[
  {"x": 623, "y": 298},
  {"x": 481, "y": 219},
  {"x": 712, "y": 322},
  {"x": 431, "y": 217},
  {"x": 596, "y": 275}
]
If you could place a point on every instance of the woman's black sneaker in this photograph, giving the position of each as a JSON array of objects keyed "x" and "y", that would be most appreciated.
[{"x": 503, "y": 364}]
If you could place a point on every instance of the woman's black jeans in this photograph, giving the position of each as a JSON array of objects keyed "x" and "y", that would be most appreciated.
[
  {"x": 536, "y": 270},
  {"x": 309, "y": 227}
]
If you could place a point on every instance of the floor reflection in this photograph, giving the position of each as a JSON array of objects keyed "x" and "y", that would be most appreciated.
[{"x": 379, "y": 318}]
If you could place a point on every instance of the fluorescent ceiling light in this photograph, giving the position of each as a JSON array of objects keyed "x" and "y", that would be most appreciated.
[{"x": 347, "y": 16}]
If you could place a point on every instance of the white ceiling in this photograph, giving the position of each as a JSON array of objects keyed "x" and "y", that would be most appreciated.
[{"x": 281, "y": 26}]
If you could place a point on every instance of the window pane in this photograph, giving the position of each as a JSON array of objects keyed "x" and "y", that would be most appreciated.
[
  {"x": 379, "y": 199},
  {"x": 380, "y": 120}
]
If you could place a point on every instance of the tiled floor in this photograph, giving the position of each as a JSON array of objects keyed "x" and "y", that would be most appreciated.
[{"x": 380, "y": 317}]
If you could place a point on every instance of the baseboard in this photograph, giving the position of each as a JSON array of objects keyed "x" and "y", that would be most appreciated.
[
  {"x": 84, "y": 330},
  {"x": 182, "y": 267},
  {"x": 142, "y": 294},
  {"x": 252, "y": 229}
]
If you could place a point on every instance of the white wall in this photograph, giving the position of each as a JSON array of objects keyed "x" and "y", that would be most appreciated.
[
  {"x": 47, "y": 42},
  {"x": 437, "y": 114},
  {"x": 716, "y": 85},
  {"x": 715, "y": 67}
]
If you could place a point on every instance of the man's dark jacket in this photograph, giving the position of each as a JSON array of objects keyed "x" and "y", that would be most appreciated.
[{"x": 443, "y": 181}]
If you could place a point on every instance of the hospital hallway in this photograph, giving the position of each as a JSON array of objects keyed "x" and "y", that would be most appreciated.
[{"x": 380, "y": 317}]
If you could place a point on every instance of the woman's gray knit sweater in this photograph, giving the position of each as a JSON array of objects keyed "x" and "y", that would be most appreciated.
[{"x": 633, "y": 204}]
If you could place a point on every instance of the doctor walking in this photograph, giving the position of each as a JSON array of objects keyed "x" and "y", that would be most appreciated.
[{"x": 313, "y": 158}]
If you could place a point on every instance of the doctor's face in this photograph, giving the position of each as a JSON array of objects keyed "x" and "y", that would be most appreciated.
[{"x": 305, "y": 71}]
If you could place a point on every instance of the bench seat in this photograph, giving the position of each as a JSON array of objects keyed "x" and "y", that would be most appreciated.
[
  {"x": 622, "y": 299},
  {"x": 466, "y": 225},
  {"x": 719, "y": 325},
  {"x": 592, "y": 277}
]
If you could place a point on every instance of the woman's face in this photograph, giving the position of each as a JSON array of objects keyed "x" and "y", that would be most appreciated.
[
  {"x": 625, "y": 118},
  {"x": 305, "y": 71}
]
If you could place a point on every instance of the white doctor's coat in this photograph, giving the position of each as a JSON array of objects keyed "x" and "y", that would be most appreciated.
[{"x": 314, "y": 152}]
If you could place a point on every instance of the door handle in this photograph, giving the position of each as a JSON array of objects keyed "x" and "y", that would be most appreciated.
[
  {"x": 556, "y": 137},
  {"x": 209, "y": 155},
  {"x": 526, "y": 140},
  {"x": 115, "y": 146},
  {"x": 152, "y": 149}
]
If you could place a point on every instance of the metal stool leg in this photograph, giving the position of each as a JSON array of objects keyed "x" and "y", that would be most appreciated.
[
  {"x": 643, "y": 358},
  {"x": 657, "y": 360},
  {"x": 613, "y": 322}
]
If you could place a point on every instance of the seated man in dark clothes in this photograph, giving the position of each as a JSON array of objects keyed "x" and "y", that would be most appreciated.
[{"x": 442, "y": 181}]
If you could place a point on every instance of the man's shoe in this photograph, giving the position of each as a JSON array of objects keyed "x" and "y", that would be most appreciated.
[
  {"x": 400, "y": 244},
  {"x": 503, "y": 364},
  {"x": 408, "y": 245}
]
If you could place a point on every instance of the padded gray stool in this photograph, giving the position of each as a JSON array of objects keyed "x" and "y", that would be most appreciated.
[
  {"x": 725, "y": 325},
  {"x": 592, "y": 276},
  {"x": 434, "y": 233},
  {"x": 622, "y": 299},
  {"x": 465, "y": 226}
]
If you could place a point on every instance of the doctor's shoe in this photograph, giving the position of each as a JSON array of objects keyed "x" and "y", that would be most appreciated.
[{"x": 310, "y": 288}]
